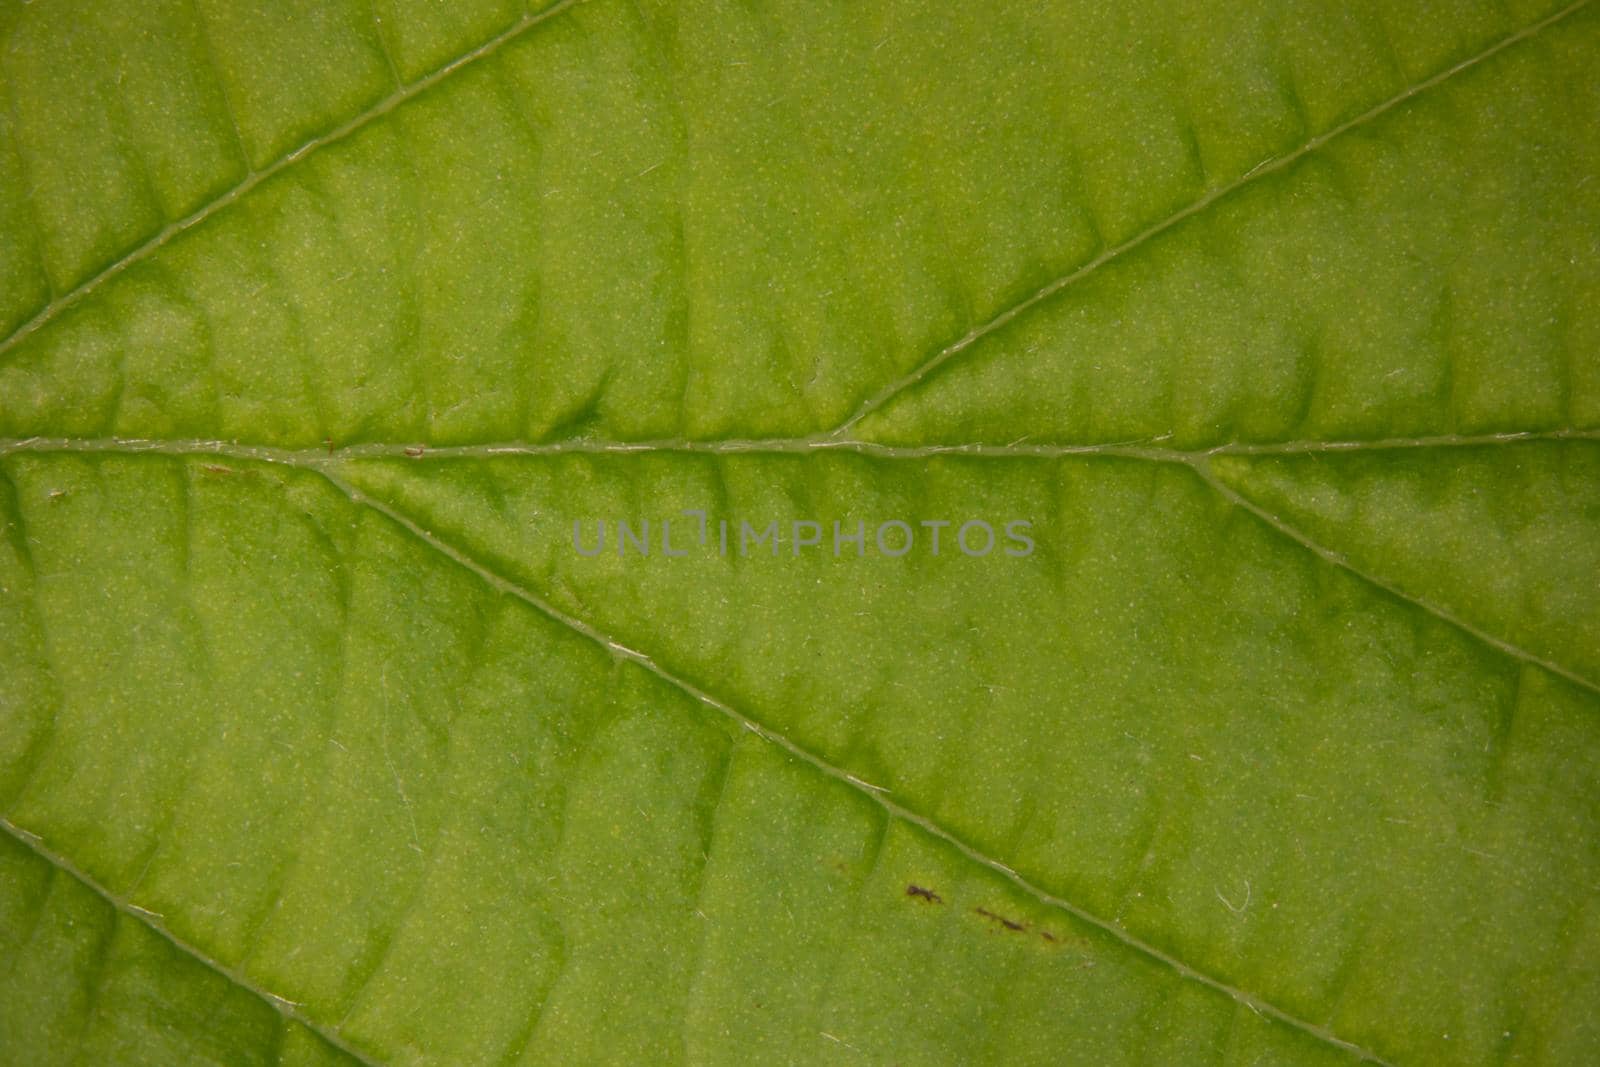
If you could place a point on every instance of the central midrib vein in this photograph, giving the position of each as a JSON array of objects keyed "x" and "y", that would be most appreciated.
[
  {"x": 756, "y": 446},
  {"x": 323, "y": 460}
]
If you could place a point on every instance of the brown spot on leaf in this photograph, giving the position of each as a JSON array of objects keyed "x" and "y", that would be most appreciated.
[
  {"x": 1009, "y": 924},
  {"x": 924, "y": 894}
]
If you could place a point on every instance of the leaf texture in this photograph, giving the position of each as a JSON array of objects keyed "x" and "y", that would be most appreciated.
[{"x": 324, "y": 323}]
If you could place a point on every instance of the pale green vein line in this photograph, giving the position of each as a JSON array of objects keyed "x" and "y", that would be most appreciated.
[
  {"x": 163, "y": 236},
  {"x": 284, "y": 1007},
  {"x": 910, "y": 379},
  {"x": 1337, "y": 559},
  {"x": 757, "y": 446},
  {"x": 506, "y": 586},
  {"x": 1382, "y": 444}
]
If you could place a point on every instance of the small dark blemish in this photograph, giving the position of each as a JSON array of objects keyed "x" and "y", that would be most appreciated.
[
  {"x": 924, "y": 894},
  {"x": 215, "y": 468},
  {"x": 415, "y": 452},
  {"x": 1009, "y": 924}
]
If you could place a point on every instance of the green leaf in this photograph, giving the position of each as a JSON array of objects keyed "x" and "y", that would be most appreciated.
[{"x": 328, "y": 326}]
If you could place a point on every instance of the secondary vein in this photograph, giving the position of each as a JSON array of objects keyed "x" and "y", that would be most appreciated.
[
  {"x": 282, "y": 1005},
  {"x": 899, "y": 811},
  {"x": 914, "y": 376},
  {"x": 1328, "y": 555},
  {"x": 61, "y": 301}
]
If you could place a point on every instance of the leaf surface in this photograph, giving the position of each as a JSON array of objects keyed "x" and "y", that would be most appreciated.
[{"x": 322, "y": 741}]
